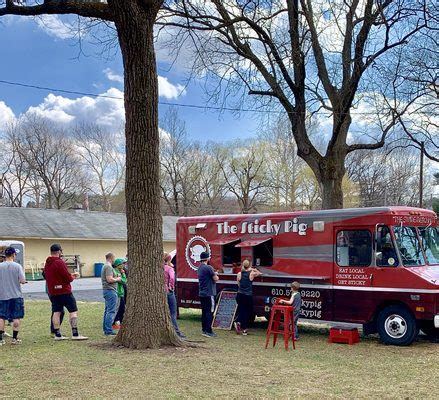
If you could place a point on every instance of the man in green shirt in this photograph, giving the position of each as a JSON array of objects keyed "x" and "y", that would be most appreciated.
[{"x": 119, "y": 271}]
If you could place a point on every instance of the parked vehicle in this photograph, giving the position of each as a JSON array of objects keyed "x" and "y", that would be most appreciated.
[
  {"x": 17, "y": 245},
  {"x": 374, "y": 266}
]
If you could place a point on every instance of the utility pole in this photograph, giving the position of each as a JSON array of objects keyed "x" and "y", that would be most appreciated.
[{"x": 421, "y": 176}]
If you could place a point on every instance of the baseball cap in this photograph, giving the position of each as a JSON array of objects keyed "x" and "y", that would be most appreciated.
[
  {"x": 9, "y": 251},
  {"x": 204, "y": 256},
  {"x": 55, "y": 247},
  {"x": 119, "y": 261}
]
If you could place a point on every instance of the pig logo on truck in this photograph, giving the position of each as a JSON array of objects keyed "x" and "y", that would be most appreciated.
[{"x": 194, "y": 248}]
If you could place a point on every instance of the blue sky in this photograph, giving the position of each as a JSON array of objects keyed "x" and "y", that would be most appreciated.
[{"x": 42, "y": 53}]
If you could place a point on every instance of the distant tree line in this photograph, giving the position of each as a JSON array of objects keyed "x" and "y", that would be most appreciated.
[
  {"x": 266, "y": 174},
  {"x": 46, "y": 166}
]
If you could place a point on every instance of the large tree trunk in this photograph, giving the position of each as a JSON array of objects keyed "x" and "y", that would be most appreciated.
[
  {"x": 147, "y": 322},
  {"x": 332, "y": 167},
  {"x": 329, "y": 169},
  {"x": 330, "y": 177}
]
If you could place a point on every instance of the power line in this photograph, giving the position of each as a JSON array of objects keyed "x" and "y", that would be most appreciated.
[
  {"x": 165, "y": 103},
  {"x": 106, "y": 96}
]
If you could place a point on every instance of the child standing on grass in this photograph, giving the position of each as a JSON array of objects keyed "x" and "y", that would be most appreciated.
[{"x": 296, "y": 301}]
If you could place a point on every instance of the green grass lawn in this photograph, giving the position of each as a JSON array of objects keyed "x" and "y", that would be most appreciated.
[{"x": 229, "y": 366}]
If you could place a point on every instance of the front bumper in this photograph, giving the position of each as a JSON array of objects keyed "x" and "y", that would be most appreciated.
[{"x": 436, "y": 321}]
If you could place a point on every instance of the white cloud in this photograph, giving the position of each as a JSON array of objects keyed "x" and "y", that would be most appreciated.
[
  {"x": 6, "y": 116},
  {"x": 165, "y": 136},
  {"x": 54, "y": 26},
  {"x": 112, "y": 76},
  {"x": 169, "y": 90},
  {"x": 104, "y": 111}
]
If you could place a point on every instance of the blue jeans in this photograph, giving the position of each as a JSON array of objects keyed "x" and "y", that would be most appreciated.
[
  {"x": 296, "y": 329},
  {"x": 110, "y": 297},
  {"x": 172, "y": 303}
]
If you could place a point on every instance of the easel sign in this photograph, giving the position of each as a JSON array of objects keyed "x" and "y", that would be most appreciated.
[{"x": 225, "y": 310}]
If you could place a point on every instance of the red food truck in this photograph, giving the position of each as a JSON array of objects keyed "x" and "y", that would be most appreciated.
[{"x": 373, "y": 266}]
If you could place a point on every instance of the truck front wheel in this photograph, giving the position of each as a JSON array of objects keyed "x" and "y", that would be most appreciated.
[{"x": 396, "y": 326}]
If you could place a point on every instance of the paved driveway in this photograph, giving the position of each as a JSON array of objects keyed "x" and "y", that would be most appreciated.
[{"x": 84, "y": 289}]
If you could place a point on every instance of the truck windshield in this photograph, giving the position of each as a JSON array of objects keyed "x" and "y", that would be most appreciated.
[
  {"x": 430, "y": 241},
  {"x": 409, "y": 246}
]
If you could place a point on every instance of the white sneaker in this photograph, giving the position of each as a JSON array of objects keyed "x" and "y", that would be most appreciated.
[
  {"x": 57, "y": 338},
  {"x": 2, "y": 342},
  {"x": 16, "y": 341},
  {"x": 79, "y": 337}
]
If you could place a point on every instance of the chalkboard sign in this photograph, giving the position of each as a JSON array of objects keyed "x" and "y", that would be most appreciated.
[{"x": 225, "y": 310}]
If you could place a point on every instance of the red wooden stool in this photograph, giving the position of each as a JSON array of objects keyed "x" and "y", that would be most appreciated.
[
  {"x": 281, "y": 314},
  {"x": 338, "y": 334}
]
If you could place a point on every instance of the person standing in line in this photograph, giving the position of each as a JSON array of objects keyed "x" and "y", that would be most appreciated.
[
  {"x": 109, "y": 289},
  {"x": 58, "y": 279},
  {"x": 207, "y": 278},
  {"x": 244, "y": 298},
  {"x": 296, "y": 301},
  {"x": 170, "y": 292},
  {"x": 11, "y": 298},
  {"x": 119, "y": 265},
  {"x": 61, "y": 318}
]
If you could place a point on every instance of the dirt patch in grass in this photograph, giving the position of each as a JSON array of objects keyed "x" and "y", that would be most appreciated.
[{"x": 229, "y": 366}]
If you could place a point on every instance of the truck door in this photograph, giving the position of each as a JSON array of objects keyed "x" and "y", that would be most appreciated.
[
  {"x": 353, "y": 262},
  {"x": 388, "y": 271}
]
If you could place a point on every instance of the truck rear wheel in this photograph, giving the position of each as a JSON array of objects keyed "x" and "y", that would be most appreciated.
[{"x": 397, "y": 326}]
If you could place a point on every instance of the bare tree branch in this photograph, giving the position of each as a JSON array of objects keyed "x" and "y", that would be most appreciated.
[{"x": 82, "y": 8}]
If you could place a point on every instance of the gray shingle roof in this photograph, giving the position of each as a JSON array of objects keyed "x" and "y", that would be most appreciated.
[{"x": 72, "y": 224}]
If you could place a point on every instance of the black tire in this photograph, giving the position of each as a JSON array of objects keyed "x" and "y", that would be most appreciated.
[{"x": 396, "y": 325}]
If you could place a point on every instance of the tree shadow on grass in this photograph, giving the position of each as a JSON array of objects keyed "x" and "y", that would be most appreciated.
[{"x": 190, "y": 346}]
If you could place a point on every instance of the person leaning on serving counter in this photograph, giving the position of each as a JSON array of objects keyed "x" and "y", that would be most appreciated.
[{"x": 244, "y": 298}]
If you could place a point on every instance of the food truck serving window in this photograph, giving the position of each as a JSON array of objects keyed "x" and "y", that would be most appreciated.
[
  {"x": 262, "y": 250},
  {"x": 263, "y": 254},
  {"x": 231, "y": 253},
  {"x": 354, "y": 248}
]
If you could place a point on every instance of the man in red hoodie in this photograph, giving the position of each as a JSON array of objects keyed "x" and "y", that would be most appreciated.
[{"x": 58, "y": 280}]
